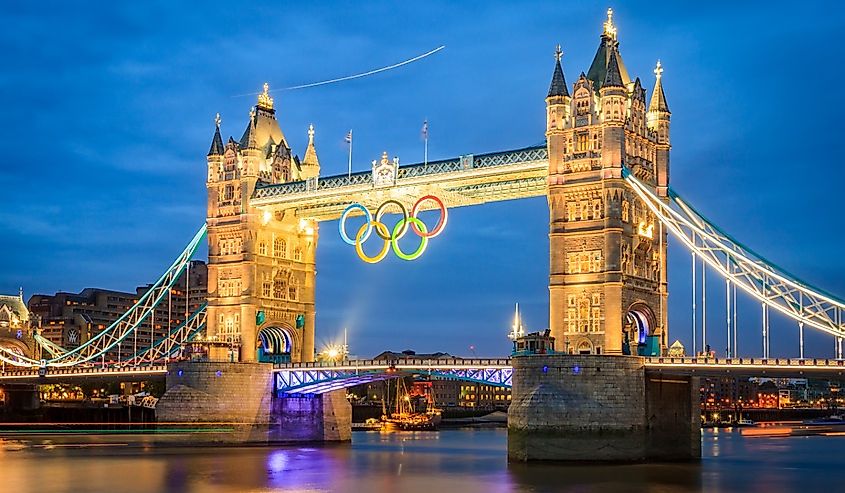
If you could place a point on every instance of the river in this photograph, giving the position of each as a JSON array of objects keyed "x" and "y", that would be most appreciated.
[{"x": 449, "y": 461}]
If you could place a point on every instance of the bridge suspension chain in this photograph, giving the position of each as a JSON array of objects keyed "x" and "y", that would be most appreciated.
[
  {"x": 762, "y": 279},
  {"x": 128, "y": 323}
]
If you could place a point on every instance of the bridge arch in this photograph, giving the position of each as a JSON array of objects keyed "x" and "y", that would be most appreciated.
[
  {"x": 275, "y": 343},
  {"x": 640, "y": 330}
]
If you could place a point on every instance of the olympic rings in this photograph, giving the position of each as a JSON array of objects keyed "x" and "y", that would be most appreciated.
[
  {"x": 342, "y": 223},
  {"x": 391, "y": 238}
]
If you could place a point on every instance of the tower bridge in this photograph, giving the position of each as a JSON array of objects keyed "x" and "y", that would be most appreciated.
[{"x": 604, "y": 169}]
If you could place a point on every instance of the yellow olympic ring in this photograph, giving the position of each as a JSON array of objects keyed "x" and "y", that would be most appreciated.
[{"x": 359, "y": 245}]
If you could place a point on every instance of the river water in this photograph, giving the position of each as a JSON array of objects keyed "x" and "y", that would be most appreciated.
[{"x": 449, "y": 461}]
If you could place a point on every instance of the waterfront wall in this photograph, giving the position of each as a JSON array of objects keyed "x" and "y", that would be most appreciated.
[
  {"x": 599, "y": 408},
  {"x": 237, "y": 400}
]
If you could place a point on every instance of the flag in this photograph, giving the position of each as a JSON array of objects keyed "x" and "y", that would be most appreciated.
[
  {"x": 425, "y": 129},
  {"x": 349, "y": 137}
]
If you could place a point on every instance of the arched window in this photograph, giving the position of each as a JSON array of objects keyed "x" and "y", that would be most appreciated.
[
  {"x": 279, "y": 288},
  {"x": 297, "y": 253},
  {"x": 279, "y": 247},
  {"x": 262, "y": 248},
  {"x": 266, "y": 288}
]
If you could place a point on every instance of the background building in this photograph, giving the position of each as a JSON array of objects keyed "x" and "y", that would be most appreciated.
[{"x": 71, "y": 319}]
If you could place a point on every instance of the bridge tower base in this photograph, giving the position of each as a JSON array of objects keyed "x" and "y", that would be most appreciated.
[
  {"x": 600, "y": 408},
  {"x": 238, "y": 401}
]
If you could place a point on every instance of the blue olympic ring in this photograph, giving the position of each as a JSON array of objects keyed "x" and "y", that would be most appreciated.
[{"x": 368, "y": 217}]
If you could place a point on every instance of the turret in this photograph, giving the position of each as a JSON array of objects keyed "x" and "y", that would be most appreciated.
[
  {"x": 310, "y": 164},
  {"x": 613, "y": 95},
  {"x": 658, "y": 121},
  {"x": 557, "y": 115},
  {"x": 215, "y": 153}
]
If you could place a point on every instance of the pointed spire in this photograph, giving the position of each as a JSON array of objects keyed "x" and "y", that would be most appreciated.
[
  {"x": 638, "y": 92},
  {"x": 217, "y": 140},
  {"x": 558, "y": 86},
  {"x": 248, "y": 139},
  {"x": 658, "y": 98},
  {"x": 613, "y": 78},
  {"x": 310, "y": 162}
]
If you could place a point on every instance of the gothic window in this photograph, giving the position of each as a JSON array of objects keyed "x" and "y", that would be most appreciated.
[
  {"x": 572, "y": 261},
  {"x": 570, "y": 211},
  {"x": 584, "y": 262},
  {"x": 229, "y": 193},
  {"x": 230, "y": 326},
  {"x": 279, "y": 247},
  {"x": 596, "y": 261},
  {"x": 595, "y": 319},
  {"x": 585, "y": 210},
  {"x": 597, "y": 212},
  {"x": 581, "y": 142},
  {"x": 293, "y": 292},
  {"x": 265, "y": 289},
  {"x": 262, "y": 248},
  {"x": 297, "y": 253},
  {"x": 570, "y": 300},
  {"x": 584, "y": 314},
  {"x": 595, "y": 141},
  {"x": 279, "y": 288},
  {"x": 596, "y": 298},
  {"x": 236, "y": 323},
  {"x": 625, "y": 210},
  {"x": 571, "y": 319}
]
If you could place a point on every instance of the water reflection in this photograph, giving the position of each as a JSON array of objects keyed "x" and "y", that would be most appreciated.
[{"x": 462, "y": 461}]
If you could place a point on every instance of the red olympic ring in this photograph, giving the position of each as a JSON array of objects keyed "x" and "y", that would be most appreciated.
[{"x": 444, "y": 216}]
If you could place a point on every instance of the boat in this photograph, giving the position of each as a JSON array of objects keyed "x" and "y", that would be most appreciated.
[
  {"x": 745, "y": 422},
  {"x": 405, "y": 418}
]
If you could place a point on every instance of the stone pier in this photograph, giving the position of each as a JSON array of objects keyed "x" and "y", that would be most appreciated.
[
  {"x": 599, "y": 408},
  {"x": 238, "y": 400}
]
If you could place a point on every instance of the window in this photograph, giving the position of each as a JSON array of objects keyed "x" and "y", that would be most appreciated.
[
  {"x": 279, "y": 288},
  {"x": 262, "y": 248},
  {"x": 581, "y": 142},
  {"x": 279, "y": 247},
  {"x": 266, "y": 288},
  {"x": 297, "y": 254}
]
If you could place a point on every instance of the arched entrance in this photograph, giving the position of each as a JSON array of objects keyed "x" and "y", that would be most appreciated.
[
  {"x": 638, "y": 334},
  {"x": 274, "y": 345}
]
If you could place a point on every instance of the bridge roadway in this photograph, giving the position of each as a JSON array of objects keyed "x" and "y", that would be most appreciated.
[{"x": 318, "y": 377}]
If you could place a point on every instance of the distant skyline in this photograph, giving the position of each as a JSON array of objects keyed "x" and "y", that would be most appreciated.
[{"x": 108, "y": 115}]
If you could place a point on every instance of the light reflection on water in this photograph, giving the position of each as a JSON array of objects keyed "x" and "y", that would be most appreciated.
[{"x": 462, "y": 461}]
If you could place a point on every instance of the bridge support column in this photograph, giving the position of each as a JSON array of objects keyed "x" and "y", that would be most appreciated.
[
  {"x": 313, "y": 418},
  {"x": 238, "y": 401},
  {"x": 595, "y": 408}
]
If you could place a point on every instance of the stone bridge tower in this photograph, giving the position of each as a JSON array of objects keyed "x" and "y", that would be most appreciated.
[
  {"x": 607, "y": 278},
  {"x": 261, "y": 265}
]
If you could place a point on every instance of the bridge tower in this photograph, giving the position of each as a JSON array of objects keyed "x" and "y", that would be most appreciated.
[
  {"x": 261, "y": 265},
  {"x": 607, "y": 278}
]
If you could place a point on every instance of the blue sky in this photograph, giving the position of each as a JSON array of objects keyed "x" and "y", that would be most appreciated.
[{"x": 108, "y": 114}]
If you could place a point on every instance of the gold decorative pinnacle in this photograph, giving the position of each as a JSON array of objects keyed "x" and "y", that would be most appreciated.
[
  {"x": 311, "y": 133},
  {"x": 658, "y": 70},
  {"x": 558, "y": 53},
  {"x": 217, "y": 120},
  {"x": 265, "y": 101},
  {"x": 609, "y": 28}
]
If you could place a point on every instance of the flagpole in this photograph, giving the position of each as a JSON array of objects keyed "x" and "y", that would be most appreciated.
[
  {"x": 425, "y": 135},
  {"x": 350, "y": 155}
]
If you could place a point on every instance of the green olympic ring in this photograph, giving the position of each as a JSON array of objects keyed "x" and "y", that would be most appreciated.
[{"x": 394, "y": 238}]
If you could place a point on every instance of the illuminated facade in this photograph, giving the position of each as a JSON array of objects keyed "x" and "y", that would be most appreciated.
[
  {"x": 261, "y": 263},
  {"x": 16, "y": 325},
  {"x": 607, "y": 282},
  {"x": 607, "y": 285}
]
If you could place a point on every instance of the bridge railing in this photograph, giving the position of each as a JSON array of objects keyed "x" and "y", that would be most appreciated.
[
  {"x": 749, "y": 362},
  {"x": 83, "y": 370},
  {"x": 400, "y": 362}
]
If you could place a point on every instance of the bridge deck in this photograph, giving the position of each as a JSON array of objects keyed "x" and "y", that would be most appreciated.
[{"x": 466, "y": 180}]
